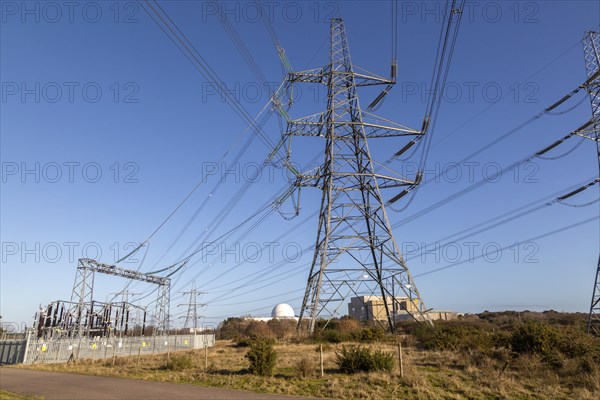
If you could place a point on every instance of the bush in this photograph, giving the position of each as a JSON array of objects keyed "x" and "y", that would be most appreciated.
[
  {"x": 357, "y": 359},
  {"x": 457, "y": 337},
  {"x": 438, "y": 337},
  {"x": 575, "y": 343},
  {"x": 534, "y": 338},
  {"x": 180, "y": 362},
  {"x": 262, "y": 357},
  {"x": 243, "y": 343},
  {"x": 231, "y": 329},
  {"x": 331, "y": 336},
  {"x": 369, "y": 335},
  {"x": 257, "y": 329},
  {"x": 304, "y": 367}
]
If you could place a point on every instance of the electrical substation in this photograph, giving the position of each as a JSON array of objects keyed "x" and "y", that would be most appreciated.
[{"x": 357, "y": 267}]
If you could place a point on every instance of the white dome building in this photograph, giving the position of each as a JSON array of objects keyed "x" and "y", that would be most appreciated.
[{"x": 283, "y": 311}]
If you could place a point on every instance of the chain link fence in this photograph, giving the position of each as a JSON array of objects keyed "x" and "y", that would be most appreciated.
[{"x": 43, "y": 351}]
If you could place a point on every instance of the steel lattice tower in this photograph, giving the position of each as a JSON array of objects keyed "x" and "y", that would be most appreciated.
[
  {"x": 192, "y": 308},
  {"x": 591, "y": 52},
  {"x": 82, "y": 296},
  {"x": 355, "y": 251}
]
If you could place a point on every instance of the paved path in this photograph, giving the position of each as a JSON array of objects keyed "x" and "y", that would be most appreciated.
[{"x": 61, "y": 386}]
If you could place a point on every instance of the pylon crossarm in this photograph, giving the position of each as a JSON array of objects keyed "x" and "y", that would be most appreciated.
[
  {"x": 589, "y": 135},
  {"x": 319, "y": 75},
  {"x": 316, "y": 75},
  {"x": 361, "y": 72},
  {"x": 313, "y": 126},
  {"x": 121, "y": 272},
  {"x": 373, "y": 131}
]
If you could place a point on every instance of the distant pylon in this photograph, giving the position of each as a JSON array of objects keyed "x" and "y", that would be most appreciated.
[
  {"x": 355, "y": 252},
  {"x": 125, "y": 295},
  {"x": 591, "y": 53},
  {"x": 192, "y": 316}
]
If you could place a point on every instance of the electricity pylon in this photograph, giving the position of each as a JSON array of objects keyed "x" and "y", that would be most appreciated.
[
  {"x": 591, "y": 52},
  {"x": 192, "y": 317},
  {"x": 355, "y": 251}
]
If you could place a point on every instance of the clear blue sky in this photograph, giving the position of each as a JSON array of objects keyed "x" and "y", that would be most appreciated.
[{"x": 86, "y": 93}]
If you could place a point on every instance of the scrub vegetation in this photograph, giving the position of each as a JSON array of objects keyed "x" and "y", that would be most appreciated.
[{"x": 505, "y": 355}]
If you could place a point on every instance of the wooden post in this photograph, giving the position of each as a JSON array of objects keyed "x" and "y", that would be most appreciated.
[
  {"x": 78, "y": 348},
  {"x": 168, "y": 352},
  {"x": 321, "y": 359},
  {"x": 400, "y": 360},
  {"x": 139, "y": 355},
  {"x": 114, "y": 345},
  {"x": 205, "y": 356},
  {"x": 58, "y": 350}
]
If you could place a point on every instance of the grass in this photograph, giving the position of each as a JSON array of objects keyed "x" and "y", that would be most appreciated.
[
  {"x": 427, "y": 374},
  {"x": 14, "y": 396}
]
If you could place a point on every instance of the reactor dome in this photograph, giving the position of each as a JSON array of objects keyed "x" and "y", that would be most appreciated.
[{"x": 282, "y": 311}]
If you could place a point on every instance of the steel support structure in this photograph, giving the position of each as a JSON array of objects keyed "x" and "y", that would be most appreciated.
[
  {"x": 100, "y": 319},
  {"x": 192, "y": 316},
  {"x": 83, "y": 294},
  {"x": 355, "y": 252},
  {"x": 591, "y": 53}
]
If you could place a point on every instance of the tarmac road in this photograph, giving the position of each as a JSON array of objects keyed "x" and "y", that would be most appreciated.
[{"x": 61, "y": 386}]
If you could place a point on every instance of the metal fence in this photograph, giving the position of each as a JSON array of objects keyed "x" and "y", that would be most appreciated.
[
  {"x": 41, "y": 351},
  {"x": 12, "y": 351}
]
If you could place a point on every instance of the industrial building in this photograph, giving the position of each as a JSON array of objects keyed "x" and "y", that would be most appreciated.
[{"x": 372, "y": 308}]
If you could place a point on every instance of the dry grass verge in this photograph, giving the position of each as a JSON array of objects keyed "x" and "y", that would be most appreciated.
[{"x": 427, "y": 374}]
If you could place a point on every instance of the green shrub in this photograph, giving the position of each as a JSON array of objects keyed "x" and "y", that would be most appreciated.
[
  {"x": 243, "y": 343},
  {"x": 501, "y": 339},
  {"x": 575, "y": 343},
  {"x": 357, "y": 359},
  {"x": 369, "y": 335},
  {"x": 453, "y": 336},
  {"x": 262, "y": 357},
  {"x": 331, "y": 336},
  {"x": 439, "y": 337},
  {"x": 534, "y": 337},
  {"x": 180, "y": 362}
]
